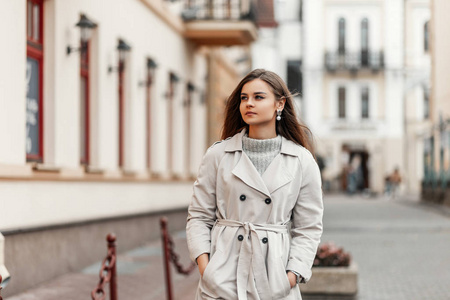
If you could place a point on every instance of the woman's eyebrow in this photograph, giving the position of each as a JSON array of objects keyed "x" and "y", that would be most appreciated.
[{"x": 255, "y": 93}]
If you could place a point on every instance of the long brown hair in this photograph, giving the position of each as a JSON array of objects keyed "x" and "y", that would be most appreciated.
[{"x": 289, "y": 126}]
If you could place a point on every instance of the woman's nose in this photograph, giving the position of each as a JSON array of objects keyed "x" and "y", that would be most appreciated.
[{"x": 250, "y": 102}]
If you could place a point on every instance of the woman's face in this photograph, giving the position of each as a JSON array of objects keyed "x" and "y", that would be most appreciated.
[{"x": 258, "y": 104}]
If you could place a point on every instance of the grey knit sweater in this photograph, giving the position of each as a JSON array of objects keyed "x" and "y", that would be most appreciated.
[{"x": 261, "y": 152}]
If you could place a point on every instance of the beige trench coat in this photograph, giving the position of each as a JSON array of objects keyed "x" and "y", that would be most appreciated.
[{"x": 241, "y": 218}]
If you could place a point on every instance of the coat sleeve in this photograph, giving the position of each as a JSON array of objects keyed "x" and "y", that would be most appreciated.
[
  {"x": 202, "y": 209},
  {"x": 307, "y": 215}
]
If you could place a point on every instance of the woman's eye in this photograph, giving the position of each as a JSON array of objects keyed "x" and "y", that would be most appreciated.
[
  {"x": 243, "y": 98},
  {"x": 259, "y": 97}
]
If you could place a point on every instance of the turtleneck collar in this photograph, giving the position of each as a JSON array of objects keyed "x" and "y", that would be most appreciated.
[{"x": 266, "y": 145}]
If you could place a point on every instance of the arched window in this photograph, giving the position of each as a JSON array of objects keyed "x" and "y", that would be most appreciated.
[
  {"x": 341, "y": 33},
  {"x": 426, "y": 37},
  {"x": 365, "y": 42}
]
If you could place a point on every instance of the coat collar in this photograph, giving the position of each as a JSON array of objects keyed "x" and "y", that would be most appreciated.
[
  {"x": 276, "y": 175},
  {"x": 235, "y": 144}
]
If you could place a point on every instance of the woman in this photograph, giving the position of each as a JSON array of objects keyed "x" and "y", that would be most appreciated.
[{"x": 250, "y": 187}]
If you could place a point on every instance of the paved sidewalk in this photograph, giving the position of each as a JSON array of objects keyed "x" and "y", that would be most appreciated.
[
  {"x": 140, "y": 276},
  {"x": 402, "y": 249}
]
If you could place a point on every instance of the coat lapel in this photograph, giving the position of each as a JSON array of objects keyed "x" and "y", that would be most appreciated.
[
  {"x": 277, "y": 174},
  {"x": 246, "y": 171}
]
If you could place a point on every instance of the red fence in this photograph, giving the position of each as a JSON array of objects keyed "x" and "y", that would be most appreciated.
[
  {"x": 171, "y": 256},
  {"x": 107, "y": 272}
]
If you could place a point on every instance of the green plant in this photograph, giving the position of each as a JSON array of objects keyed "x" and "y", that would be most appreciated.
[{"x": 329, "y": 255}]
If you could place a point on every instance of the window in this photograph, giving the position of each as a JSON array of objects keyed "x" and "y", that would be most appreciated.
[
  {"x": 294, "y": 76},
  {"x": 426, "y": 37},
  {"x": 341, "y": 33},
  {"x": 365, "y": 103},
  {"x": 151, "y": 66},
  {"x": 365, "y": 42},
  {"x": 34, "y": 79},
  {"x": 426, "y": 103},
  {"x": 121, "y": 126},
  {"x": 171, "y": 98},
  {"x": 188, "y": 111},
  {"x": 84, "y": 104},
  {"x": 341, "y": 102}
]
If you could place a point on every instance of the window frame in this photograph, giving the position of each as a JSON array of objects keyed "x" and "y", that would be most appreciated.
[
  {"x": 365, "y": 42},
  {"x": 121, "y": 112},
  {"x": 365, "y": 97},
  {"x": 426, "y": 103},
  {"x": 342, "y": 102},
  {"x": 426, "y": 37},
  {"x": 190, "y": 90},
  {"x": 148, "y": 113},
  {"x": 342, "y": 33},
  {"x": 173, "y": 79},
  {"x": 85, "y": 74},
  {"x": 35, "y": 50}
]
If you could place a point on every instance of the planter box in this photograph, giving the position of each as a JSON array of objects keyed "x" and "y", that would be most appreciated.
[{"x": 332, "y": 281}]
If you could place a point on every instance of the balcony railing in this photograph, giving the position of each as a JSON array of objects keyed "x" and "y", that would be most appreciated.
[
  {"x": 220, "y": 22},
  {"x": 195, "y": 10},
  {"x": 354, "y": 61}
]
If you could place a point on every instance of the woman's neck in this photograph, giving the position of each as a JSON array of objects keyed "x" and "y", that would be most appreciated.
[{"x": 261, "y": 133}]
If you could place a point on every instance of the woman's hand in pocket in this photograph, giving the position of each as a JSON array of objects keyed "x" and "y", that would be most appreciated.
[
  {"x": 202, "y": 262},
  {"x": 292, "y": 278}
]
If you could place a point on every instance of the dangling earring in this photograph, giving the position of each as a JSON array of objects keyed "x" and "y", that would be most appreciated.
[{"x": 278, "y": 114}]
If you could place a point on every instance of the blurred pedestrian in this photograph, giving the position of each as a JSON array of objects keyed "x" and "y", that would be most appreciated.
[
  {"x": 394, "y": 180},
  {"x": 250, "y": 186},
  {"x": 355, "y": 175}
]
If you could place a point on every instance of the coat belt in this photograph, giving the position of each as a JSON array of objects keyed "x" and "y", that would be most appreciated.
[{"x": 251, "y": 255}]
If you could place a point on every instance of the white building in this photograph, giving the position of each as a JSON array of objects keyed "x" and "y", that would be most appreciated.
[
  {"x": 417, "y": 90},
  {"x": 108, "y": 135},
  {"x": 279, "y": 44},
  {"x": 354, "y": 87}
]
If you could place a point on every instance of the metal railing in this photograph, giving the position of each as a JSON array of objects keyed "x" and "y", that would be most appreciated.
[
  {"x": 354, "y": 61},
  {"x": 171, "y": 256},
  {"x": 219, "y": 10},
  {"x": 107, "y": 272}
]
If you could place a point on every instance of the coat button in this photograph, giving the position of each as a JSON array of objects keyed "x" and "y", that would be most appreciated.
[
  {"x": 240, "y": 237},
  {"x": 265, "y": 240},
  {"x": 242, "y": 197},
  {"x": 268, "y": 201}
]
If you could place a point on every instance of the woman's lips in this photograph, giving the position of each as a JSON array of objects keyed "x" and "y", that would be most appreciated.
[{"x": 249, "y": 113}]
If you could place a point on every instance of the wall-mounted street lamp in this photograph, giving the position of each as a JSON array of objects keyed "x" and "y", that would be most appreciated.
[
  {"x": 86, "y": 27},
  {"x": 123, "y": 49},
  {"x": 174, "y": 80},
  {"x": 151, "y": 69}
]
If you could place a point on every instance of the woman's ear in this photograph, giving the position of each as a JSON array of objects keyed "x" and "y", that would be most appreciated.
[{"x": 280, "y": 103}]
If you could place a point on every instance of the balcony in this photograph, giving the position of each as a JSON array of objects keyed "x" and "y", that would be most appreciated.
[
  {"x": 220, "y": 23},
  {"x": 354, "y": 61}
]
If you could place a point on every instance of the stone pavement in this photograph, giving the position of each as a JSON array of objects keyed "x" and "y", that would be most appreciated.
[{"x": 402, "y": 249}]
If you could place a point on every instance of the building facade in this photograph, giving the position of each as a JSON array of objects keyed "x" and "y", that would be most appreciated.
[
  {"x": 279, "y": 44},
  {"x": 436, "y": 153},
  {"x": 353, "y": 54},
  {"x": 105, "y": 114},
  {"x": 417, "y": 90}
]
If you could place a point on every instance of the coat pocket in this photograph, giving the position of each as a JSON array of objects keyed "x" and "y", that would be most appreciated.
[
  {"x": 208, "y": 283},
  {"x": 278, "y": 280}
]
